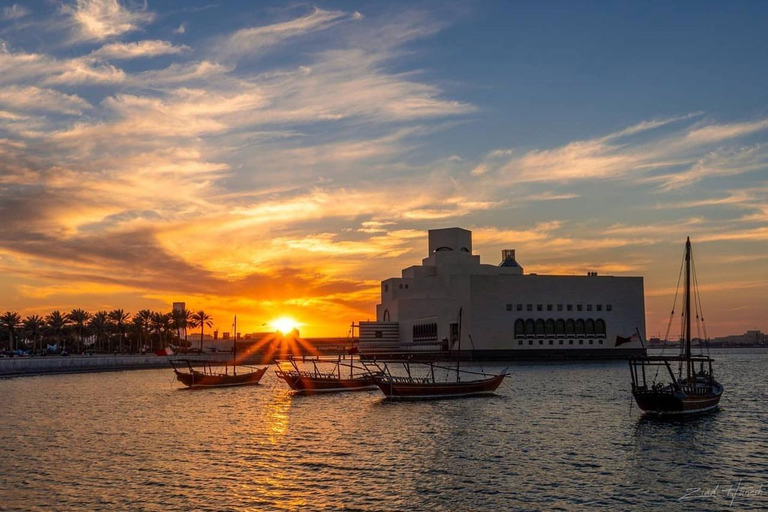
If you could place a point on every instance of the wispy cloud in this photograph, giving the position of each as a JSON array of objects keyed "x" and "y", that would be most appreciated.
[
  {"x": 15, "y": 12},
  {"x": 101, "y": 19},
  {"x": 36, "y": 99},
  {"x": 669, "y": 159},
  {"x": 139, "y": 49},
  {"x": 250, "y": 41}
]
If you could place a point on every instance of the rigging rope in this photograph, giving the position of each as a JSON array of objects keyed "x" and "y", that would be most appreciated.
[
  {"x": 672, "y": 314},
  {"x": 700, "y": 308}
]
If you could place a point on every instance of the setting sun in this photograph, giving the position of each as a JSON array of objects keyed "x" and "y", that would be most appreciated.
[{"x": 284, "y": 324}]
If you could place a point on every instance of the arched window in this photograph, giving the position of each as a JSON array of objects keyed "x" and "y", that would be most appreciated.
[
  {"x": 530, "y": 327},
  {"x": 440, "y": 249},
  {"x": 590, "y": 327},
  {"x": 570, "y": 327},
  {"x": 600, "y": 327},
  {"x": 580, "y": 327},
  {"x": 519, "y": 328},
  {"x": 550, "y": 327},
  {"x": 560, "y": 327},
  {"x": 539, "y": 327},
  {"x": 386, "y": 315},
  {"x": 464, "y": 249}
]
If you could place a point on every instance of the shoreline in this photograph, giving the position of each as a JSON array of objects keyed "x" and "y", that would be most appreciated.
[{"x": 12, "y": 367}]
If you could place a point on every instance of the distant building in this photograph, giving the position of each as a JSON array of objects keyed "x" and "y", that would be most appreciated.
[
  {"x": 750, "y": 338},
  {"x": 499, "y": 312},
  {"x": 179, "y": 306}
]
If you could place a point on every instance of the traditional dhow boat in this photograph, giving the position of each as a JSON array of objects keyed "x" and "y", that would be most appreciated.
[
  {"x": 411, "y": 387},
  {"x": 456, "y": 382},
  {"x": 333, "y": 379},
  {"x": 684, "y": 393},
  {"x": 206, "y": 374}
]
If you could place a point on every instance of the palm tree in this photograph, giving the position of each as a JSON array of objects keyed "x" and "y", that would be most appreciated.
[
  {"x": 201, "y": 319},
  {"x": 162, "y": 323},
  {"x": 80, "y": 317},
  {"x": 10, "y": 320},
  {"x": 143, "y": 319},
  {"x": 57, "y": 322},
  {"x": 99, "y": 323},
  {"x": 119, "y": 318},
  {"x": 33, "y": 325},
  {"x": 182, "y": 318}
]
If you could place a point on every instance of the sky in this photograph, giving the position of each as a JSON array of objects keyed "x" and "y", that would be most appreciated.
[{"x": 272, "y": 159}]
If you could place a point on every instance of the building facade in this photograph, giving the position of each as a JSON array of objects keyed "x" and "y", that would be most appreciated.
[{"x": 453, "y": 302}]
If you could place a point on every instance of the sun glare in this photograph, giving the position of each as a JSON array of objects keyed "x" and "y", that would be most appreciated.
[{"x": 284, "y": 324}]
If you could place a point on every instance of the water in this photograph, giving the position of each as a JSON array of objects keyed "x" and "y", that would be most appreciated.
[{"x": 559, "y": 436}]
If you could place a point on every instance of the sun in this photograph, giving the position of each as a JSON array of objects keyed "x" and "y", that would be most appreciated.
[{"x": 284, "y": 324}]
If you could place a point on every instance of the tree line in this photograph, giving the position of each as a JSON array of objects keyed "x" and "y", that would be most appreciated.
[{"x": 104, "y": 331}]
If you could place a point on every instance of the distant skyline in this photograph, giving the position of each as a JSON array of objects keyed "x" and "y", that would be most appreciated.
[{"x": 278, "y": 160}]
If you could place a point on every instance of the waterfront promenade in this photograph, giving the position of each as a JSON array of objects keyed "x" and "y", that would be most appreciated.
[{"x": 20, "y": 366}]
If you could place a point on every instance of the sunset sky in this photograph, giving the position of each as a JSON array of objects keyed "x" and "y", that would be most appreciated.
[{"x": 280, "y": 159}]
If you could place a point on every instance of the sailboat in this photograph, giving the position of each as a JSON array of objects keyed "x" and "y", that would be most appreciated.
[
  {"x": 686, "y": 391},
  {"x": 412, "y": 387},
  {"x": 201, "y": 374}
]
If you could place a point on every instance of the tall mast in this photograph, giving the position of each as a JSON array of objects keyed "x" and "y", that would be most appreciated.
[
  {"x": 234, "y": 349},
  {"x": 688, "y": 303},
  {"x": 458, "y": 353}
]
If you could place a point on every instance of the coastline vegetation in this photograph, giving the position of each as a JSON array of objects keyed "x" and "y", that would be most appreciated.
[{"x": 115, "y": 331}]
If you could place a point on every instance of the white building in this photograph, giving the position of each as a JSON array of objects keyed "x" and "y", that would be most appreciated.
[{"x": 499, "y": 312}]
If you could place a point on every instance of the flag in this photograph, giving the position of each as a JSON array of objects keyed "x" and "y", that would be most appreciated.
[
  {"x": 167, "y": 351},
  {"x": 620, "y": 340}
]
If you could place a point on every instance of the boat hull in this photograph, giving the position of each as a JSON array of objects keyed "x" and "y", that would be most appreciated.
[
  {"x": 663, "y": 403},
  {"x": 199, "y": 380},
  {"x": 437, "y": 390},
  {"x": 307, "y": 384}
]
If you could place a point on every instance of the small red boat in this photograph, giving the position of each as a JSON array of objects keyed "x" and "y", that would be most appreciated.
[
  {"x": 330, "y": 380},
  {"x": 204, "y": 376}
]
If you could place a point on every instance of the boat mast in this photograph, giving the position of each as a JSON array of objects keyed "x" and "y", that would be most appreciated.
[
  {"x": 458, "y": 352},
  {"x": 234, "y": 349},
  {"x": 688, "y": 305}
]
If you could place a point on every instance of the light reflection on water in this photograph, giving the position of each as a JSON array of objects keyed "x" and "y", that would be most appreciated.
[{"x": 556, "y": 436}]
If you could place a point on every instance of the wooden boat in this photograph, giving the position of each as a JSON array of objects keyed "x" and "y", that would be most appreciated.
[
  {"x": 319, "y": 381},
  {"x": 689, "y": 393},
  {"x": 204, "y": 376},
  {"x": 411, "y": 387},
  {"x": 201, "y": 374}
]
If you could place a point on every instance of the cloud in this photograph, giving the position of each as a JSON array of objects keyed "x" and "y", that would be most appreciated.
[
  {"x": 669, "y": 158},
  {"x": 139, "y": 49},
  {"x": 101, "y": 19},
  {"x": 18, "y": 67},
  {"x": 36, "y": 99},
  {"x": 249, "y": 41},
  {"x": 15, "y": 12}
]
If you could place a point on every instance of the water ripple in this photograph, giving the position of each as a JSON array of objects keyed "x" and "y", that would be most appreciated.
[{"x": 559, "y": 437}]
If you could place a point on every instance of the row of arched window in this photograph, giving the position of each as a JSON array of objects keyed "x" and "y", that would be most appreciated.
[{"x": 559, "y": 327}]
